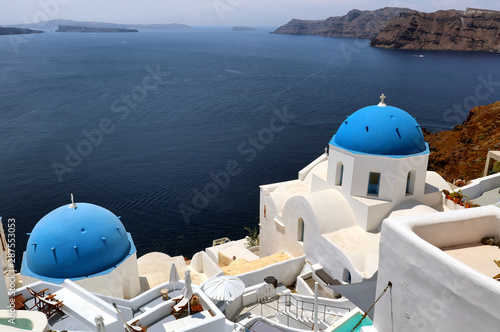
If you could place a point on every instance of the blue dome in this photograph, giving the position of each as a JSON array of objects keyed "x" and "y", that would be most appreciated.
[
  {"x": 70, "y": 243},
  {"x": 380, "y": 130}
]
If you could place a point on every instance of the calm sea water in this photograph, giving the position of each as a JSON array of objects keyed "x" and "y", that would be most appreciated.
[{"x": 208, "y": 107}]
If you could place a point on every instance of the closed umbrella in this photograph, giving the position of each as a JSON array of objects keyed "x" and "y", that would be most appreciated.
[
  {"x": 187, "y": 291},
  {"x": 174, "y": 275},
  {"x": 224, "y": 288},
  {"x": 99, "y": 323}
]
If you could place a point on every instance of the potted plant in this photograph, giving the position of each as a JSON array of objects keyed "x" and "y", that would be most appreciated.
[
  {"x": 253, "y": 236},
  {"x": 457, "y": 197}
]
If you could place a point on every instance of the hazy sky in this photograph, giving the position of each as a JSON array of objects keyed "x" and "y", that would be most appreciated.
[{"x": 208, "y": 12}]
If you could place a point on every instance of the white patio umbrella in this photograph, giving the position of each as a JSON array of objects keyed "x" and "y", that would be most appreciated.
[
  {"x": 224, "y": 288},
  {"x": 187, "y": 291},
  {"x": 174, "y": 275},
  {"x": 99, "y": 323}
]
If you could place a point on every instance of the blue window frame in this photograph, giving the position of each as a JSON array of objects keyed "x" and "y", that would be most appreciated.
[{"x": 373, "y": 184}]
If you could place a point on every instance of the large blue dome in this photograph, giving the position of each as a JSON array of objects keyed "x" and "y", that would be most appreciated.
[
  {"x": 380, "y": 130},
  {"x": 70, "y": 243}
]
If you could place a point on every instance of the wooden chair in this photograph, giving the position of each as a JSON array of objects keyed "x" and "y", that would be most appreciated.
[
  {"x": 182, "y": 306},
  {"x": 46, "y": 303},
  {"x": 19, "y": 302},
  {"x": 179, "y": 308},
  {"x": 137, "y": 328}
]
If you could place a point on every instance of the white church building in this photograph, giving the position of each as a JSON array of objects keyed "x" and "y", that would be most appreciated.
[{"x": 376, "y": 168}]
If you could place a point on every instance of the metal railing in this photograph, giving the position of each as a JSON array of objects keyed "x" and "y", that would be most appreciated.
[{"x": 296, "y": 309}]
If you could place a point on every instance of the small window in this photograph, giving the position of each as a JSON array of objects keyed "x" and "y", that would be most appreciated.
[
  {"x": 409, "y": 187},
  {"x": 340, "y": 174},
  {"x": 373, "y": 183},
  {"x": 300, "y": 234}
]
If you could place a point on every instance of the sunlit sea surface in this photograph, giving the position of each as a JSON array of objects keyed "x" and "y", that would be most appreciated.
[{"x": 179, "y": 109}]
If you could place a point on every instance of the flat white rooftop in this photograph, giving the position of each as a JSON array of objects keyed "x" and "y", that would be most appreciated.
[
  {"x": 359, "y": 246},
  {"x": 478, "y": 256}
]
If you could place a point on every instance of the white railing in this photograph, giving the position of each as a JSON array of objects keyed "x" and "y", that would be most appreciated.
[{"x": 266, "y": 293}]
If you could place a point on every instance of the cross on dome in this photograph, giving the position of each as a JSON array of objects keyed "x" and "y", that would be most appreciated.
[
  {"x": 382, "y": 103},
  {"x": 72, "y": 205}
]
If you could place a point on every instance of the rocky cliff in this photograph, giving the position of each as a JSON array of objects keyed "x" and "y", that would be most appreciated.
[
  {"x": 470, "y": 30},
  {"x": 461, "y": 152},
  {"x": 356, "y": 24}
]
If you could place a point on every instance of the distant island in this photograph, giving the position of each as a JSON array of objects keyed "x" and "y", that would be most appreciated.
[
  {"x": 469, "y": 30},
  {"x": 75, "y": 28},
  {"x": 356, "y": 23},
  {"x": 243, "y": 28},
  {"x": 54, "y": 24},
  {"x": 17, "y": 31}
]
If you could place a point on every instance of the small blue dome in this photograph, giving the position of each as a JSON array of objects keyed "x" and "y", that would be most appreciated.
[
  {"x": 380, "y": 130},
  {"x": 70, "y": 243}
]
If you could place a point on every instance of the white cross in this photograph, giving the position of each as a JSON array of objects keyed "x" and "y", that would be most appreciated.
[
  {"x": 382, "y": 98},
  {"x": 72, "y": 205}
]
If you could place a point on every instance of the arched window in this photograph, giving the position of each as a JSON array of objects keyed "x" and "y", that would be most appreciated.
[
  {"x": 340, "y": 174},
  {"x": 300, "y": 233},
  {"x": 409, "y": 184},
  {"x": 373, "y": 184}
]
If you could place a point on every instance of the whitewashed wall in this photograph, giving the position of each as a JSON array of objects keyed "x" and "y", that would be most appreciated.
[{"x": 431, "y": 291}]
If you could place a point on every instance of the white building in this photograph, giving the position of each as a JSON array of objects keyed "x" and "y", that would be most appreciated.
[
  {"x": 441, "y": 274},
  {"x": 376, "y": 168}
]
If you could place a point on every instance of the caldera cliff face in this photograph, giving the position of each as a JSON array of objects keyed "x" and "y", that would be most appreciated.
[{"x": 470, "y": 30}]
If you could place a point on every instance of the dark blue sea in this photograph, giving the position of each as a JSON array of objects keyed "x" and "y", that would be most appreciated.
[{"x": 174, "y": 131}]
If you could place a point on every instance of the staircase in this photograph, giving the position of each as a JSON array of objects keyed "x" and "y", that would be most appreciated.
[{"x": 300, "y": 314}]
